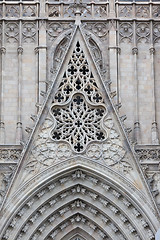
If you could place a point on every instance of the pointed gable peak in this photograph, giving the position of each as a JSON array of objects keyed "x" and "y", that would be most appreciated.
[{"x": 79, "y": 123}]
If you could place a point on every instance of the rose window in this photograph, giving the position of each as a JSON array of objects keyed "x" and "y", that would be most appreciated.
[
  {"x": 78, "y": 122},
  {"x": 78, "y": 107}
]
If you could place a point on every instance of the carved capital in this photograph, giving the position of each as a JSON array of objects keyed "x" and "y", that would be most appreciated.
[
  {"x": 152, "y": 50},
  {"x": 3, "y": 50},
  {"x": 135, "y": 50},
  {"x": 20, "y": 50}
]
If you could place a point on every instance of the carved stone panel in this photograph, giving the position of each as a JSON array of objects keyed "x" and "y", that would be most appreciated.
[
  {"x": 125, "y": 11},
  {"x": 156, "y": 32},
  {"x": 100, "y": 29},
  {"x": 6, "y": 174},
  {"x": 156, "y": 11},
  {"x": 126, "y": 32},
  {"x": 12, "y": 11},
  {"x": 142, "y": 11},
  {"x": 143, "y": 32},
  {"x": 12, "y": 32},
  {"x": 29, "y": 11},
  {"x": 29, "y": 32}
]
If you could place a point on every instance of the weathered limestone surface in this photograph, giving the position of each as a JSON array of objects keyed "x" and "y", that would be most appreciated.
[{"x": 79, "y": 120}]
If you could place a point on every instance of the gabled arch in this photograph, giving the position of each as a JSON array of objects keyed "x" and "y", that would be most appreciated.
[{"x": 55, "y": 172}]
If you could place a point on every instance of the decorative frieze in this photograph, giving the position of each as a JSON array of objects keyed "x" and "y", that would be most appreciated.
[
  {"x": 14, "y": 11},
  {"x": 10, "y": 154},
  {"x": 148, "y": 154}
]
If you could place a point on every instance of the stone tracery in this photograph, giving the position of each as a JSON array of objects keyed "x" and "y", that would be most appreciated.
[{"x": 78, "y": 108}]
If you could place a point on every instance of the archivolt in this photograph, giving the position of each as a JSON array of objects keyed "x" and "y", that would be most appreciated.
[{"x": 82, "y": 199}]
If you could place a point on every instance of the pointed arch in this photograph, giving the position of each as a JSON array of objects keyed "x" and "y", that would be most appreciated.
[{"x": 79, "y": 193}]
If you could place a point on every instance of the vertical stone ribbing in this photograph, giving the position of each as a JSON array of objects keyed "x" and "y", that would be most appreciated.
[
  {"x": 118, "y": 71},
  {"x": 2, "y": 124},
  {"x": 42, "y": 53},
  {"x": 113, "y": 46},
  {"x": 154, "y": 129},
  {"x": 137, "y": 137},
  {"x": 19, "y": 97}
]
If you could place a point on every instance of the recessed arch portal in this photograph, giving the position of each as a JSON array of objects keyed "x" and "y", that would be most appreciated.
[{"x": 77, "y": 198}]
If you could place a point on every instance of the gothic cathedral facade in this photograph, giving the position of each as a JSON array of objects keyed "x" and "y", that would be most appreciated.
[{"x": 79, "y": 119}]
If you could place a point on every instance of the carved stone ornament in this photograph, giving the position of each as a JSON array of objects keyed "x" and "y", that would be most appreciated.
[
  {"x": 9, "y": 155},
  {"x": 78, "y": 122},
  {"x": 71, "y": 9},
  {"x": 59, "y": 53},
  {"x": 29, "y": 11},
  {"x": 126, "y": 32},
  {"x": 55, "y": 29},
  {"x": 100, "y": 11},
  {"x": 6, "y": 174},
  {"x": 96, "y": 53},
  {"x": 53, "y": 11},
  {"x": 98, "y": 29},
  {"x": 156, "y": 11},
  {"x": 156, "y": 32},
  {"x": 148, "y": 154},
  {"x": 29, "y": 32},
  {"x": 81, "y": 127},
  {"x": 125, "y": 11},
  {"x": 12, "y": 11},
  {"x": 143, "y": 32},
  {"x": 142, "y": 11},
  {"x": 12, "y": 32}
]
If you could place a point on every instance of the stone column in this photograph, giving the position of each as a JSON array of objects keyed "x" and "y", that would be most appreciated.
[
  {"x": 42, "y": 60},
  {"x": 154, "y": 129},
  {"x": 113, "y": 47},
  {"x": 19, "y": 121},
  {"x": 118, "y": 70},
  {"x": 42, "y": 53},
  {"x": 137, "y": 137},
  {"x": 3, "y": 51},
  {"x": 19, "y": 97}
]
